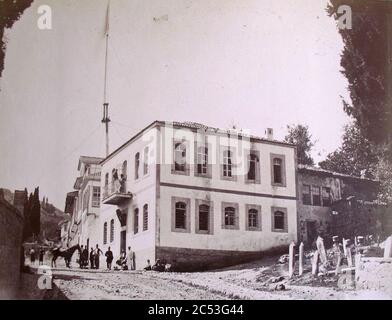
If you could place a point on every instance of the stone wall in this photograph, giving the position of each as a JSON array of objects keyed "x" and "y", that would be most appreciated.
[
  {"x": 185, "y": 259},
  {"x": 11, "y": 229},
  {"x": 375, "y": 274}
]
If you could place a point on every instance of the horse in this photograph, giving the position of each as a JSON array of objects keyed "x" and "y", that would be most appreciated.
[{"x": 66, "y": 254}]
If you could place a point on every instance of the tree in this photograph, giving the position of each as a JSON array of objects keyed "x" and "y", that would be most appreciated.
[
  {"x": 300, "y": 136},
  {"x": 365, "y": 62},
  {"x": 35, "y": 213},
  {"x": 356, "y": 156}
]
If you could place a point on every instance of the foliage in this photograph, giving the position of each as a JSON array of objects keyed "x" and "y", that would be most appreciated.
[{"x": 300, "y": 136}]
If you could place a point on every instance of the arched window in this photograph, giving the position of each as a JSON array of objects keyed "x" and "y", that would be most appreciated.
[
  {"x": 105, "y": 233},
  {"x": 145, "y": 217},
  {"x": 229, "y": 216},
  {"x": 136, "y": 221},
  {"x": 279, "y": 223},
  {"x": 253, "y": 161},
  {"x": 137, "y": 165},
  {"x": 227, "y": 163},
  {"x": 204, "y": 212},
  {"x": 111, "y": 230},
  {"x": 253, "y": 218},
  {"x": 179, "y": 157},
  {"x": 202, "y": 160},
  {"x": 145, "y": 161},
  {"x": 180, "y": 215},
  {"x": 277, "y": 163}
]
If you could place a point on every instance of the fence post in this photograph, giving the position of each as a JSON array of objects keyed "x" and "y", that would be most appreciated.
[
  {"x": 291, "y": 259},
  {"x": 301, "y": 259},
  {"x": 315, "y": 263}
]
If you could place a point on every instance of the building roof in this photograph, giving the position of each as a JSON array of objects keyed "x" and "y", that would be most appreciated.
[
  {"x": 89, "y": 160},
  {"x": 302, "y": 168},
  {"x": 197, "y": 126}
]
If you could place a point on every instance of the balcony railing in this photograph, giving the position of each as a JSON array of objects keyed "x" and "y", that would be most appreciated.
[{"x": 115, "y": 193}]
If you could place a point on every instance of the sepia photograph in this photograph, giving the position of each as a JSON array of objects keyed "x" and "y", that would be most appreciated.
[{"x": 196, "y": 150}]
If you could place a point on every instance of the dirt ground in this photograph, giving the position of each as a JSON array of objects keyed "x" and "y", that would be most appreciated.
[{"x": 260, "y": 280}]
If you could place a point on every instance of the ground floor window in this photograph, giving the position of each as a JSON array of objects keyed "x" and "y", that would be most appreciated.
[
  {"x": 180, "y": 214},
  {"x": 145, "y": 217},
  {"x": 279, "y": 219},
  {"x": 105, "y": 233},
  {"x": 112, "y": 230}
]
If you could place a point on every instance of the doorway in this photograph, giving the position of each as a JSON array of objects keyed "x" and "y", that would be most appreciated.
[
  {"x": 123, "y": 241},
  {"x": 311, "y": 231}
]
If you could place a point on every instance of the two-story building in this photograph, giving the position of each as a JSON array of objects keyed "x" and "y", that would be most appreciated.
[
  {"x": 198, "y": 197},
  {"x": 84, "y": 203}
]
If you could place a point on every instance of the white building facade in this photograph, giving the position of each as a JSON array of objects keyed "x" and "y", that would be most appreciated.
[{"x": 198, "y": 197}]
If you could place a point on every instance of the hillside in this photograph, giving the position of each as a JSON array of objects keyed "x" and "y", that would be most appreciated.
[{"x": 50, "y": 216}]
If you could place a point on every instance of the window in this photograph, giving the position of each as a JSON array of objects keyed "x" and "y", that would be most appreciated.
[
  {"x": 124, "y": 169},
  {"x": 229, "y": 216},
  {"x": 137, "y": 165},
  {"x": 145, "y": 161},
  {"x": 277, "y": 170},
  {"x": 86, "y": 198},
  {"x": 227, "y": 163},
  {"x": 145, "y": 217},
  {"x": 316, "y": 196},
  {"x": 202, "y": 160},
  {"x": 105, "y": 233},
  {"x": 204, "y": 212},
  {"x": 306, "y": 194},
  {"x": 253, "y": 174},
  {"x": 111, "y": 230},
  {"x": 136, "y": 221},
  {"x": 326, "y": 197},
  {"x": 279, "y": 219},
  {"x": 180, "y": 215},
  {"x": 96, "y": 196},
  {"x": 179, "y": 157},
  {"x": 253, "y": 218},
  {"x": 106, "y": 179}
]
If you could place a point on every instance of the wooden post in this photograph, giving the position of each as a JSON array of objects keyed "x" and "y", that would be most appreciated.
[
  {"x": 344, "y": 247},
  {"x": 349, "y": 257},
  {"x": 388, "y": 248},
  {"x": 301, "y": 259},
  {"x": 291, "y": 259},
  {"x": 315, "y": 263}
]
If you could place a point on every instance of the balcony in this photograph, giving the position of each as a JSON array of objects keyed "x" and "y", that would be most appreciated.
[{"x": 115, "y": 193}]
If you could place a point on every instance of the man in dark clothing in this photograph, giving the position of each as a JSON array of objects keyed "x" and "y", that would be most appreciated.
[
  {"x": 41, "y": 256},
  {"x": 97, "y": 253},
  {"x": 85, "y": 257},
  {"x": 109, "y": 258},
  {"x": 92, "y": 259}
]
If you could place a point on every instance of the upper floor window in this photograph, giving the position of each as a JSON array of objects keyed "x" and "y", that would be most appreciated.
[
  {"x": 111, "y": 230},
  {"x": 316, "y": 196},
  {"x": 145, "y": 217},
  {"x": 96, "y": 196},
  {"x": 202, "y": 160},
  {"x": 137, "y": 165},
  {"x": 306, "y": 194},
  {"x": 124, "y": 169},
  {"x": 136, "y": 221},
  {"x": 106, "y": 179},
  {"x": 326, "y": 197},
  {"x": 179, "y": 157},
  {"x": 227, "y": 163},
  {"x": 86, "y": 198},
  {"x": 278, "y": 170},
  {"x": 145, "y": 161},
  {"x": 180, "y": 215},
  {"x": 253, "y": 174},
  {"x": 105, "y": 233}
]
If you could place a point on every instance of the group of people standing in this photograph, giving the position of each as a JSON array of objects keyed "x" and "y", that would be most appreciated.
[
  {"x": 41, "y": 254},
  {"x": 126, "y": 261}
]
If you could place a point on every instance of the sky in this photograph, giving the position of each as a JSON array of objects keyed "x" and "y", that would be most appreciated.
[{"x": 252, "y": 63}]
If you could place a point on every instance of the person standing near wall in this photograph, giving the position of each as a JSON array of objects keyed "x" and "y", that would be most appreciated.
[
  {"x": 97, "y": 254},
  {"x": 109, "y": 258},
  {"x": 92, "y": 258},
  {"x": 130, "y": 259}
]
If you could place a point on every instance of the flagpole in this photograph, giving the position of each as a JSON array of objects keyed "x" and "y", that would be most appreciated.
[{"x": 106, "y": 118}]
